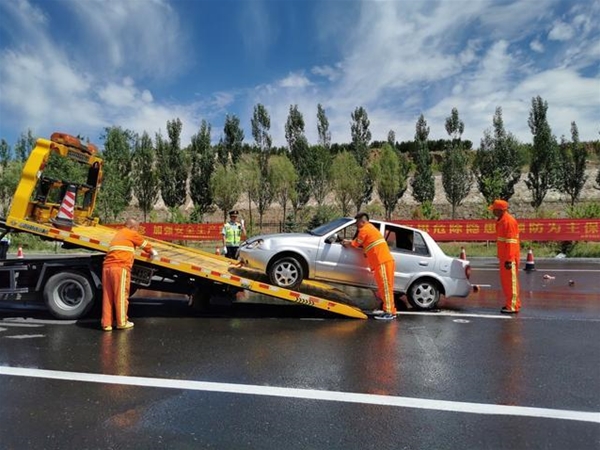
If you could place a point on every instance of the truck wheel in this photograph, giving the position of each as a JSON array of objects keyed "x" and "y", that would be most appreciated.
[
  {"x": 286, "y": 273},
  {"x": 68, "y": 295},
  {"x": 424, "y": 294}
]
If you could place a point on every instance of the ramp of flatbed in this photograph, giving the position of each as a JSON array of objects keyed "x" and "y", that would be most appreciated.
[{"x": 197, "y": 263}]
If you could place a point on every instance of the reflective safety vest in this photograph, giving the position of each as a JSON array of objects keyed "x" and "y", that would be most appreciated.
[
  {"x": 507, "y": 238},
  {"x": 121, "y": 250},
  {"x": 232, "y": 233},
  {"x": 373, "y": 244}
]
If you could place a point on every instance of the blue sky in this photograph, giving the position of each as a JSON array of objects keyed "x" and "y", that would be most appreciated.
[{"x": 81, "y": 65}]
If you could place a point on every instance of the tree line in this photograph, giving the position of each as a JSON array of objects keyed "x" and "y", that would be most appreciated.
[{"x": 218, "y": 175}]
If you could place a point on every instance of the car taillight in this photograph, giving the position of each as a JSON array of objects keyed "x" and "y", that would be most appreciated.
[{"x": 468, "y": 271}]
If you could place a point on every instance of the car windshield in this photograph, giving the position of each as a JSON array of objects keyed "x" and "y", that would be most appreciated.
[{"x": 328, "y": 227}]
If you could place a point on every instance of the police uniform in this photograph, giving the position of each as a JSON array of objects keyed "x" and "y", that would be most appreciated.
[{"x": 232, "y": 232}]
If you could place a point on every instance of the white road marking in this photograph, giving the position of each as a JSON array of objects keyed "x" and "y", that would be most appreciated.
[
  {"x": 308, "y": 394},
  {"x": 20, "y": 325},
  {"x": 461, "y": 321},
  {"x": 452, "y": 314},
  {"x": 3, "y": 329},
  {"x": 489, "y": 269},
  {"x": 37, "y": 322},
  {"x": 25, "y": 336}
]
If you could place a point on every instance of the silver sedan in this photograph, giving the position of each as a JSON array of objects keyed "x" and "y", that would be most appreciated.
[{"x": 423, "y": 271}]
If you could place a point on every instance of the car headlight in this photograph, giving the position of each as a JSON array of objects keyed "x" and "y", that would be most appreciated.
[{"x": 250, "y": 245}]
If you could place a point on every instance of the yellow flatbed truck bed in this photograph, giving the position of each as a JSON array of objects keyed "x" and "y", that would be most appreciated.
[{"x": 31, "y": 212}]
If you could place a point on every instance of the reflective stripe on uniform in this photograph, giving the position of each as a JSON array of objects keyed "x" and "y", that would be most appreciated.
[
  {"x": 373, "y": 244},
  {"x": 513, "y": 281},
  {"x": 121, "y": 248},
  {"x": 122, "y": 299},
  {"x": 509, "y": 240}
]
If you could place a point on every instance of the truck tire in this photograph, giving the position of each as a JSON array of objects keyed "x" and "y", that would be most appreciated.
[{"x": 68, "y": 295}]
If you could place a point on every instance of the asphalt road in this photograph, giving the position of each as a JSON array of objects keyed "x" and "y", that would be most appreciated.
[{"x": 286, "y": 377}]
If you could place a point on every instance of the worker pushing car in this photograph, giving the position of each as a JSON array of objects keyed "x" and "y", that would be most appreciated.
[
  {"x": 380, "y": 261},
  {"x": 116, "y": 274}
]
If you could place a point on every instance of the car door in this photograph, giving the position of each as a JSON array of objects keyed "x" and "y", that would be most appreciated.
[
  {"x": 342, "y": 265},
  {"x": 410, "y": 253}
]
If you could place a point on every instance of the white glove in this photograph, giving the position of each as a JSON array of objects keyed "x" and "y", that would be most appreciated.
[
  {"x": 153, "y": 253},
  {"x": 224, "y": 250}
]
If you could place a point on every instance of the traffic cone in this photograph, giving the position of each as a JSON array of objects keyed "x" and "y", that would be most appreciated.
[
  {"x": 463, "y": 253},
  {"x": 218, "y": 250},
  {"x": 20, "y": 253},
  {"x": 529, "y": 264},
  {"x": 66, "y": 213}
]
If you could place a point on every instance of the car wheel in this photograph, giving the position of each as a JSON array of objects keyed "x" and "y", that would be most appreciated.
[
  {"x": 286, "y": 272},
  {"x": 68, "y": 295},
  {"x": 424, "y": 294}
]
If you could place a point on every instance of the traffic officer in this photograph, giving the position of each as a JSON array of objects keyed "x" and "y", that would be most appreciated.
[
  {"x": 4, "y": 244},
  {"x": 509, "y": 247},
  {"x": 116, "y": 274},
  {"x": 380, "y": 261},
  {"x": 233, "y": 234}
]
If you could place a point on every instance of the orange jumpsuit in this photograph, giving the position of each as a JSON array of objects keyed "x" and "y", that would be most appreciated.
[
  {"x": 509, "y": 246},
  {"x": 380, "y": 261},
  {"x": 116, "y": 275}
]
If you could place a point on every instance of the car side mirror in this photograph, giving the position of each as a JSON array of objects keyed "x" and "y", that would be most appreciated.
[{"x": 331, "y": 239}]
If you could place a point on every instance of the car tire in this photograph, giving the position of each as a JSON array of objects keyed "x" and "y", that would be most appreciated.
[
  {"x": 68, "y": 295},
  {"x": 286, "y": 272},
  {"x": 424, "y": 294}
]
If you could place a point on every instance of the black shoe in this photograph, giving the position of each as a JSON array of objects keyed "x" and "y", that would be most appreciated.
[{"x": 506, "y": 310}]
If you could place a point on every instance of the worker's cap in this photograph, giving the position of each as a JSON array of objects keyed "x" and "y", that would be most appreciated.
[
  {"x": 498, "y": 204},
  {"x": 233, "y": 212}
]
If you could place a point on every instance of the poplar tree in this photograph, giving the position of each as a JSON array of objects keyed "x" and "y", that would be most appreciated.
[
  {"x": 423, "y": 183},
  {"x": 543, "y": 168},
  {"x": 203, "y": 166},
  {"x": 172, "y": 166},
  {"x": 284, "y": 179},
  {"x": 234, "y": 137},
  {"x": 323, "y": 128},
  {"x": 361, "y": 137},
  {"x": 498, "y": 162},
  {"x": 300, "y": 157},
  {"x": 226, "y": 189},
  {"x": 346, "y": 177},
  {"x": 391, "y": 138},
  {"x": 391, "y": 173},
  {"x": 145, "y": 174},
  {"x": 4, "y": 153},
  {"x": 261, "y": 124},
  {"x": 116, "y": 191},
  {"x": 456, "y": 178},
  {"x": 571, "y": 175},
  {"x": 24, "y": 145}
]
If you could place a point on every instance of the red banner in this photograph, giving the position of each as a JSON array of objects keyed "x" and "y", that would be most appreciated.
[
  {"x": 183, "y": 231},
  {"x": 440, "y": 230},
  {"x": 530, "y": 229}
]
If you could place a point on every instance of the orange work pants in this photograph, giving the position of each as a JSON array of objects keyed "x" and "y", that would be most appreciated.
[
  {"x": 384, "y": 277},
  {"x": 509, "y": 278},
  {"x": 115, "y": 295}
]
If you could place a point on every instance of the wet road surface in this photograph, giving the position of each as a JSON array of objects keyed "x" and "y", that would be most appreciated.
[{"x": 270, "y": 376}]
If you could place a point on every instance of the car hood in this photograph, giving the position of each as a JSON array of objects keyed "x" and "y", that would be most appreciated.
[{"x": 285, "y": 236}]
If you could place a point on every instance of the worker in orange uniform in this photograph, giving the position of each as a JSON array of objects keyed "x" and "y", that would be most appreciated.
[
  {"x": 380, "y": 261},
  {"x": 116, "y": 274},
  {"x": 509, "y": 247}
]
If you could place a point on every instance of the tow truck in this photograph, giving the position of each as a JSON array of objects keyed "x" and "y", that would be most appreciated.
[{"x": 70, "y": 285}]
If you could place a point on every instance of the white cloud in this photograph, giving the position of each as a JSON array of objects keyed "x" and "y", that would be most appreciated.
[
  {"x": 536, "y": 46},
  {"x": 294, "y": 80},
  {"x": 326, "y": 71},
  {"x": 560, "y": 31}
]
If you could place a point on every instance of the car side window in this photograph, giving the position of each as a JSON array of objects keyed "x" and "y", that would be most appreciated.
[
  {"x": 349, "y": 232},
  {"x": 405, "y": 241}
]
